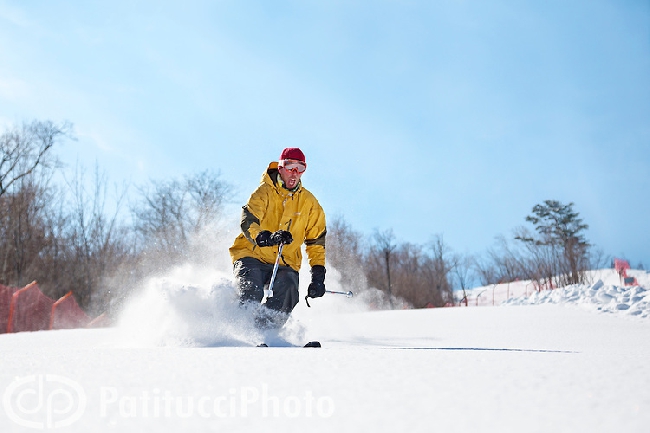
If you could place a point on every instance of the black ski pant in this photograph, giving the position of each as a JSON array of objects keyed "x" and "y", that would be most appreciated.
[{"x": 252, "y": 275}]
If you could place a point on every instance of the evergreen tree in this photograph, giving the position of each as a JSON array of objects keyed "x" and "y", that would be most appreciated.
[{"x": 561, "y": 231}]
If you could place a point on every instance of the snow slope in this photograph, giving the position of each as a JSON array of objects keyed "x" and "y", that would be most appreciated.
[{"x": 185, "y": 360}]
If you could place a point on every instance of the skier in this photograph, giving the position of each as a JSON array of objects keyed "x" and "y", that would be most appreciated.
[{"x": 280, "y": 212}]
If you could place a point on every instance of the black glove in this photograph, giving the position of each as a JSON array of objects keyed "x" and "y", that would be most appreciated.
[
  {"x": 281, "y": 237},
  {"x": 317, "y": 286},
  {"x": 264, "y": 239}
]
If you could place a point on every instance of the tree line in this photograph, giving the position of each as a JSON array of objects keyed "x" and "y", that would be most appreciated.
[
  {"x": 554, "y": 252},
  {"x": 66, "y": 230}
]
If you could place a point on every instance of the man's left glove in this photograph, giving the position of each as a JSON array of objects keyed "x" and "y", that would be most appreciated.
[{"x": 317, "y": 286}]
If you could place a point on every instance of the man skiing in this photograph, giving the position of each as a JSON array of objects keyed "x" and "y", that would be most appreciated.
[{"x": 280, "y": 215}]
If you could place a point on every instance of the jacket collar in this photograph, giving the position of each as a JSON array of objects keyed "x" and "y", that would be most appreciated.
[{"x": 272, "y": 177}]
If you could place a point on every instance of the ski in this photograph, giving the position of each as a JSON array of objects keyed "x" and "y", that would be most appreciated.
[{"x": 310, "y": 344}]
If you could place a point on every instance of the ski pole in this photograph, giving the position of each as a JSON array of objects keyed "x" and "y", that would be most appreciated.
[
  {"x": 348, "y": 294},
  {"x": 268, "y": 293}
]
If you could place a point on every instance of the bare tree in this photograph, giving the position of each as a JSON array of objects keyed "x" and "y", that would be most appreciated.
[
  {"x": 539, "y": 262},
  {"x": 23, "y": 149},
  {"x": 442, "y": 265},
  {"x": 463, "y": 269},
  {"x": 510, "y": 261},
  {"x": 98, "y": 244},
  {"x": 345, "y": 251},
  {"x": 485, "y": 271},
  {"x": 600, "y": 260},
  {"x": 414, "y": 273},
  {"x": 56, "y": 267},
  {"x": 408, "y": 274},
  {"x": 26, "y": 166},
  {"x": 384, "y": 244},
  {"x": 22, "y": 231},
  {"x": 172, "y": 214}
]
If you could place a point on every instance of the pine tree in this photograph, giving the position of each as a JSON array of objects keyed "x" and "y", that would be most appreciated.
[{"x": 561, "y": 231}]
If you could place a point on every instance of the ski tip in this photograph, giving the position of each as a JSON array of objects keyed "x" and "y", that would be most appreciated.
[{"x": 313, "y": 344}]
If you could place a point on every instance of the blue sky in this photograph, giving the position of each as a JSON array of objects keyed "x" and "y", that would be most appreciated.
[{"x": 428, "y": 117}]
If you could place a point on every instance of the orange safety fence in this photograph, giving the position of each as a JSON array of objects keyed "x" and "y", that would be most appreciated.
[
  {"x": 30, "y": 310},
  {"x": 101, "y": 321},
  {"x": 5, "y": 302},
  {"x": 66, "y": 314}
]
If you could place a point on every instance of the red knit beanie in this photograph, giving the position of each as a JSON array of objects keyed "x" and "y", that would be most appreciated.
[{"x": 292, "y": 153}]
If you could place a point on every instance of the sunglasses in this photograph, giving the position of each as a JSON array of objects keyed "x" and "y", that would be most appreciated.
[{"x": 297, "y": 166}]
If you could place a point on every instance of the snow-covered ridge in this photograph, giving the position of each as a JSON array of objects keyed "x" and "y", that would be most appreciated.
[
  {"x": 606, "y": 294},
  {"x": 631, "y": 300}
]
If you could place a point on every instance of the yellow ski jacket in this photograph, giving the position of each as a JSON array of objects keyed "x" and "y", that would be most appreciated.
[{"x": 273, "y": 207}]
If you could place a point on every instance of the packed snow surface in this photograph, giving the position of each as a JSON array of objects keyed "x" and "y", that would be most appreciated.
[{"x": 183, "y": 359}]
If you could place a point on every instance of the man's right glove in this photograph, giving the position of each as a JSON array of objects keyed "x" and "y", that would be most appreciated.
[
  {"x": 264, "y": 239},
  {"x": 317, "y": 286}
]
